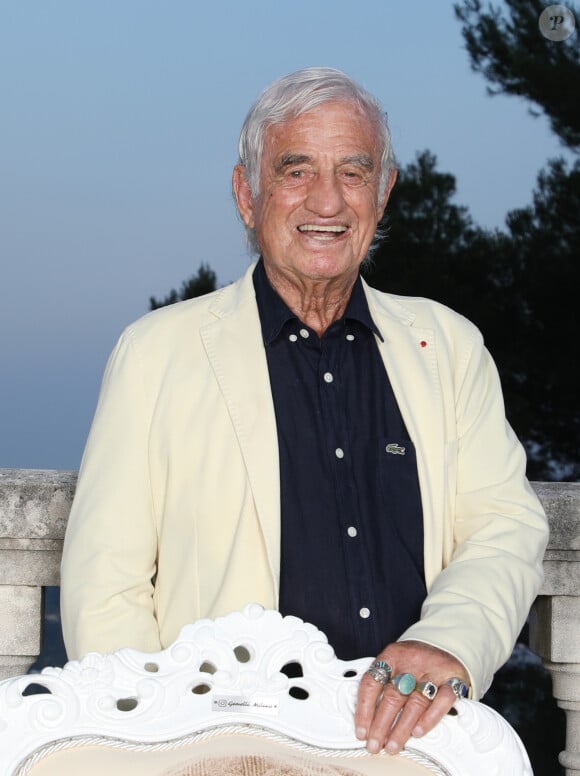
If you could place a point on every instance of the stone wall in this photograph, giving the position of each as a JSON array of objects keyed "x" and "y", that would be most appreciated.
[
  {"x": 555, "y": 616},
  {"x": 34, "y": 507}
]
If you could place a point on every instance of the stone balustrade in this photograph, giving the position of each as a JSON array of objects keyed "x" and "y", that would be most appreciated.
[{"x": 34, "y": 507}]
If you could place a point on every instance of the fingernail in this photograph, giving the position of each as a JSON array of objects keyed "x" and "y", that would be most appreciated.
[
  {"x": 392, "y": 747},
  {"x": 373, "y": 745},
  {"x": 361, "y": 733},
  {"x": 418, "y": 731}
]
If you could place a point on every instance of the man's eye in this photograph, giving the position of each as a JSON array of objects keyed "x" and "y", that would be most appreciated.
[{"x": 296, "y": 173}]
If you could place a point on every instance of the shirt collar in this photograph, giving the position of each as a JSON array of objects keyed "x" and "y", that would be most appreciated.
[{"x": 274, "y": 312}]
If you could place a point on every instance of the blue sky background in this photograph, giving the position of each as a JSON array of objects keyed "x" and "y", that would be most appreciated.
[{"x": 118, "y": 133}]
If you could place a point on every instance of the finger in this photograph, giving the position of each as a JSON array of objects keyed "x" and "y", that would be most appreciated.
[
  {"x": 369, "y": 693},
  {"x": 385, "y": 714},
  {"x": 435, "y": 712},
  {"x": 412, "y": 711}
]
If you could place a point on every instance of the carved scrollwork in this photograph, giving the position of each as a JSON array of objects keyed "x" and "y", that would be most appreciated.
[{"x": 253, "y": 668}]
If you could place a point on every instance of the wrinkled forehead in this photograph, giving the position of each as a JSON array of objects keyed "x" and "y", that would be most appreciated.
[{"x": 329, "y": 125}]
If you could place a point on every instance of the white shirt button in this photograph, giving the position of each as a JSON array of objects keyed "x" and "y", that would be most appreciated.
[
  {"x": 364, "y": 613},
  {"x": 351, "y": 531},
  {"x": 304, "y": 333},
  {"x": 350, "y": 337},
  {"x": 292, "y": 338},
  {"x": 339, "y": 452},
  {"x": 328, "y": 378}
]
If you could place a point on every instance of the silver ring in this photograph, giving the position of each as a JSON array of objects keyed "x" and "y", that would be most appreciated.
[
  {"x": 380, "y": 671},
  {"x": 429, "y": 689},
  {"x": 458, "y": 686},
  {"x": 404, "y": 683}
]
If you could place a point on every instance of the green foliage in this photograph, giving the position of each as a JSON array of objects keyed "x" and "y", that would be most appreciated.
[
  {"x": 516, "y": 59},
  {"x": 197, "y": 285},
  {"x": 543, "y": 372},
  {"x": 540, "y": 369},
  {"x": 427, "y": 237}
]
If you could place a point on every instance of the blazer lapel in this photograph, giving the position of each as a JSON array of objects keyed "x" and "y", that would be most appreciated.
[
  {"x": 410, "y": 358},
  {"x": 234, "y": 347}
]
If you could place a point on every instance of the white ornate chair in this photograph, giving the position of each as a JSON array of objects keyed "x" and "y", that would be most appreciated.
[{"x": 250, "y": 694}]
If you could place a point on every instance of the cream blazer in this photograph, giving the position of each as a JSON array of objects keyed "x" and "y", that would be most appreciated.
[{"x": 177, "y": 510}]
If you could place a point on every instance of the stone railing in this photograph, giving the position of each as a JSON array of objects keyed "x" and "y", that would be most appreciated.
[
  {"x": 34, "y": 507},
  {"x": 555, "y": 616}
]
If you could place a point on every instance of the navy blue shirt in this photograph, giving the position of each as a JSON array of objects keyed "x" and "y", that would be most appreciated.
[{"x": 351, "y": 516}]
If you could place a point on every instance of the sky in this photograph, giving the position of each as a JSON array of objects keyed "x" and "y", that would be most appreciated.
[{"x": 118, "y": 133}]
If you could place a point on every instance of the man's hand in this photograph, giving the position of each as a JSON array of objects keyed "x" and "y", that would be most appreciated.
[{"x": 378, "y": 706}]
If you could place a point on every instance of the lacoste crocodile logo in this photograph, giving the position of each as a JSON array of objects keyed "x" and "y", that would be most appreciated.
[{"x": 395, "y": 449}]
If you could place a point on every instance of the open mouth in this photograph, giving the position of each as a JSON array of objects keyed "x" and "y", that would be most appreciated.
[{"x": 320, "y": 232}]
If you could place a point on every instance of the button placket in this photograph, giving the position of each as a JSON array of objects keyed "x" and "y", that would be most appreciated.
[{"x": 334, "y": 350}]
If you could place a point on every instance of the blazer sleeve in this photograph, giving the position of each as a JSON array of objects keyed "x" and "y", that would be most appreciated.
[
  {"x": 110, "y": 548},
  {"x": 479, "y": 602}
]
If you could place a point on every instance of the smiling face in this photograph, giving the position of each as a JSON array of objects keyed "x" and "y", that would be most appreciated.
[{"x": 317, "y": 209}]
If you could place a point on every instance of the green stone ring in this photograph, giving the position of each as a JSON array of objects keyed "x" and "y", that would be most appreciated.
[{"x": 404, "y": 683}]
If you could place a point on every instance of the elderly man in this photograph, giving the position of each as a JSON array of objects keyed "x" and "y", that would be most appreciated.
[{"x": 301, "y": 440}]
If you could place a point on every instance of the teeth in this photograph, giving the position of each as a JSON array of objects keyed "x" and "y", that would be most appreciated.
[{"x": 319, "y": 228}]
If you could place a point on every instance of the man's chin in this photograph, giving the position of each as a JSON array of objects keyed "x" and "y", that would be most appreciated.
[{"x": 329, "y": 266}]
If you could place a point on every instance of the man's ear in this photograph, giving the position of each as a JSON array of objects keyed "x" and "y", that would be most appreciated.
[
  {"x": 387, "y": 194},
  {"x": 243, "y": 195}
]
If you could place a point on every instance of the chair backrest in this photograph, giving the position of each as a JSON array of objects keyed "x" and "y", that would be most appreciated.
[{"x": 250, "y": 693}]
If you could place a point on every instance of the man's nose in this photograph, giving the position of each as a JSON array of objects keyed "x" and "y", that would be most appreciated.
[{"x": 325, "y": 197}]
